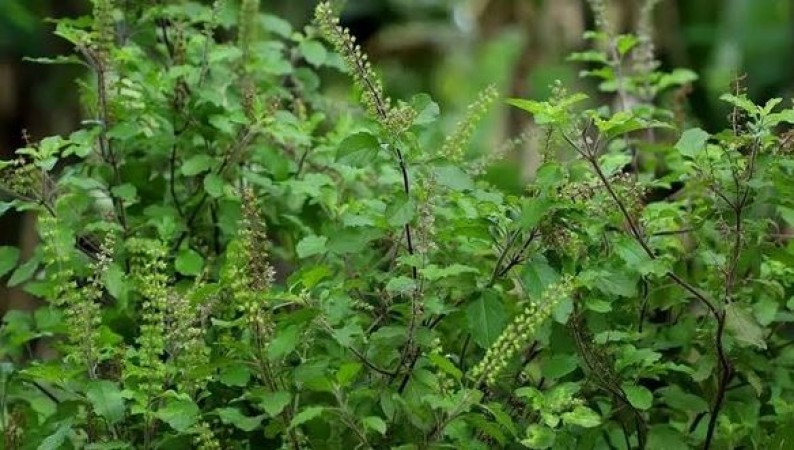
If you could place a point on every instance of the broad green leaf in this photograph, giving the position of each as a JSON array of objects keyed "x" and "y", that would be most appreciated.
[
  {"x": 374, "y": 423},
  {"x": 639, "y": 396},
  {"x": 313, "y": 52},
  {"x": 284, "y": 343},
  {"x": 306, "y": 415},
  {"x": 400, "y": 285},
  {"x": 359, "y": 149},
  {"x": 347, "y": 373},
  {"x": 274, "y": 402},
  {"x": 213, "y": 185},
  {"x": 25, "y": 271},
  {"x": 453, "y": 178},
  {"x": 189, "y": 262},
  {"x": 56, "y": 440},
  {"x": 196, "y": 165},
  {"x": 236, "y": 374},
  {"x": 106, "y": 400},
  {"x": 233, "y": 416},
  {"x": 9, "y": 256},
  {"x": 400, "y": 212},
  {"x": 539, "y": 437},
  {"x": 433, "y": 272},
  {"x": 179, "y": 414},
  {"x": 741, "y": 324},
  {"x": 311, "y": 245},
  {"x": 486, "y": 318},
  {"x": 692, "y": 142},
  {"x": 582, "y": 416}
]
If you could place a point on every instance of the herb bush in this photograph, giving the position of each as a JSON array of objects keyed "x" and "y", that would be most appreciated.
[{"x": 233, "y": 259}]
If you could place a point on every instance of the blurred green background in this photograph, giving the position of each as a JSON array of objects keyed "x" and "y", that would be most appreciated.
[{"x": 448, "y": 48}]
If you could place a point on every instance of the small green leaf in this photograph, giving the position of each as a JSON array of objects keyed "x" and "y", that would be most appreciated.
[
  {"x": 400, "y": 285},
  {"x": 358, "y": 150},
  {"x": 25, "y": 271},
  {"x": 639, "y": 396},
  {"x": 189, "y": 262},
  {"x": 313, "y": 52},
  {"x": 106, "y": 399},
  {"x": 236, "y": 374},
  {"x": 374, "y": 423},
  {"x": 233, "y": 416},
  {"x": 626, "y": 42},
  {"x": 9, "y": 257},
  {"x": 179, "y": 414},
  {"x": 311, "y": 245},
  {"x": 692, "y": 142},
  {"x": 539, "y": 437},
  {"x": 306, "y": 415},
  {"x": 213, "y": 185},
  {"x": 743, "y": 326},
  {"x": 274, "y": 402},
  {"x": 582, "y": 416},
  {"x": 196, "y": 165},
  {"x": 284, "y": 343},
  {"x": 347, "y": 373},
  {"x": 453, "y": 178},
  {"x": 486, "y": 318},
  {"x": 400, "y": 212}
]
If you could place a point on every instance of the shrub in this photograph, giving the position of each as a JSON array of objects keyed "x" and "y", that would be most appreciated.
[{"x": 233, "y": 259}]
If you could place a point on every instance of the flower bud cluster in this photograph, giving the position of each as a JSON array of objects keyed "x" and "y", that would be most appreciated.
[
  {"x": 150, "y": 276},
  {"x": 445, "y": 381},
  {"x": 456, "y": 143},
  {"x": 83, "y": 315},
  {"x": 104, "y": 28},
  {"x": 521, "y": 331},
  {"x": 248, "y": 272},
  {"x": 205, "y": 439},
  {"x": 189, "y": 349},
  {"x": 395, "y": 119},
  {"x": 248, "y": 28}
]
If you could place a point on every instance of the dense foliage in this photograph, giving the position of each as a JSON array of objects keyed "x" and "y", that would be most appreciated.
[{"x": 234, "y": 259}]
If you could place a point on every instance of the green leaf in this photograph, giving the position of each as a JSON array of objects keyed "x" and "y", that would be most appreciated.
[
  {"x": 347, "y": 373},
  {"x": 626, "y": 42},
  {"x": 196, "y": 165},
  {"x": 306, "y": 415},
  {"x": 486, "y": 318},
  {"x": 400, "y": 212},
  {"x": 313, "y": 52},
  {"x": 433, "y": 272},
  {"x": 189, "y": 262},
  {"x": 311, "y": 245},
  {"x": 692, "y": 142},
  {"x": 213, "y": 185},
  {"x": 639, "y": 397},
  {"x": 358, "y": 150},
  {"x": 582, "y": 416},
  {"x": 374, "y": 423},
  {"x": 427, "y": 109},
  {"x": 237, "y": 374},
  {"x": 179, "y": 414},
  {"x": 400, "y": 285},
  {"x": 453, "y": 178},
  {"x": 274, "y": 402},
  {"x": 539, "y": 437},
  {"x": 284, "y": 343},
  {"x": 56, "y": 440},
  {"x": 25, "y": 271},
  {"x": 743, "y": 327},
  {"x": 106, "y": 400},
  {"x": 233, "y": 416},
  {"x": 533, "y": 210},
  {"x": 9, "y": 256}
]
